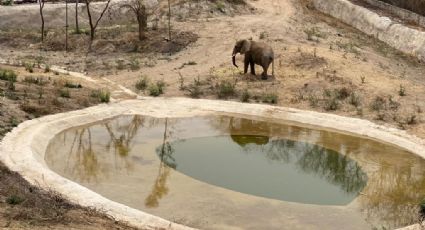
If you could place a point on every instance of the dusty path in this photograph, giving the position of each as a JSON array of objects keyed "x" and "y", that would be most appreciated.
[{"x": 216, "y": 39}]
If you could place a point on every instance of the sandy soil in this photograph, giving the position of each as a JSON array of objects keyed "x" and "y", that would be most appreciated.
[{"x": 320, "y": 65}]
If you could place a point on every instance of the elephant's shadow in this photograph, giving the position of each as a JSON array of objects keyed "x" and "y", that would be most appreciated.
[{"x": 252, "y": 78}]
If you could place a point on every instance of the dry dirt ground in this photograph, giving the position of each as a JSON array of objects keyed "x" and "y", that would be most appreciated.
[{"x": 321, "y": 64}]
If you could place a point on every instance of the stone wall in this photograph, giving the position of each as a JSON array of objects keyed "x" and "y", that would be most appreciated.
[
  {"x": 401, "y": 37},
  {"x": 400, "y": 12}
]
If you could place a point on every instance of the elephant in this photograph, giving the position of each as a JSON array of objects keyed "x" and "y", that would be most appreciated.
[{"x": 255, "y": 53}]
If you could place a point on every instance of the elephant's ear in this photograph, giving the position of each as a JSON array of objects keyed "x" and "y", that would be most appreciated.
[{"x": 246, "y": 46}]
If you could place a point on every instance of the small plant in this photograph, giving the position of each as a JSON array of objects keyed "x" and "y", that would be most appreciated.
[
  {"x": 411, "y": 119},
  {"x": 14, "y": 122},
  {"x": 331, "y": 103},
  {"x": 354, "y": 99},
  {"x": 34, "y": 80},
  {"x": 104, "y": 96},
  {"x": 154, "y": 90},
  {"x": 134, "y": 64},
  {"x": 313, "y": 100},
  {"x": 65, "y": 93},
  {"x": 157, "y": 88},
  {"x": 6, "y": 2},
  {"x": 46, "y": 68},
  {"x": 392, "y": 104},
  {"x": 142, "y": 83},
  {"x": 191, "y": 63},
  {"x": 270, "y": 98},
  {"x": 14, "y": 199},
  {"x": 181, "y": 81},
  {"x": 378, "y": 103},
  {"x": 402, "y": 91},
  {"x": 10, "y": 85},
  {"x": 246, "y": 96},
  {"x": 8, "y": 75},
  {"x": 194, "y": 89},
  {"x": 226, "y": 89},
  {"x": 363, "y": 79},
  {"x": 29, "y": 67},
  {"x": 263, "y": 35},
  {"x": 120, "y": 64},
  {"x": 72, "y": 85}
]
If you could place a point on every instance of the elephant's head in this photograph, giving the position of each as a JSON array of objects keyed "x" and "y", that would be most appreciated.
[{"x": 241, "y": 47}]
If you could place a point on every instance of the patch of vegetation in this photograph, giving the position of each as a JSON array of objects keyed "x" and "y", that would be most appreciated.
[
  {"x": 157, "y": 88},
  {"x": 194, "y": 88},
  {"x": 73, "y": 85},
  {"x": 14, "y": 199},
  {"x": 35, "y": 80},
  {"x": 226, "y": 89},
  {"x": 246, "y": 96},
  {"x": 378, "y": 103},
  {"x": 142, "y": 83},
  {"x": 270, "y": 98},
  {"x": 134, "y": 64},
  {"x": 314, "y": 32},
  {"x": 65, "y": 93},
  {"x": 8, "y": 75},
  {"x": 120, "y": 64},
  {"x": 354, "y": 99},
  {"x": 102, "y": 95},
  {"x": 402, "y": 91},
  {"x": 29, "y": 67}
]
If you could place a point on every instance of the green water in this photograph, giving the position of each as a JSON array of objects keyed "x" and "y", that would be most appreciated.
[{"x": 279, "y": 169}]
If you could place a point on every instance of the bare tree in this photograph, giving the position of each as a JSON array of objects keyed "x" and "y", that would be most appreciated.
[
  {"x": 94, "y": 25},
  {"x": 138, "y": 7},
  {"x": 41, "y": 4},
  {"x": 77, "y": 26},
  {"x": 169, "y": 20}
]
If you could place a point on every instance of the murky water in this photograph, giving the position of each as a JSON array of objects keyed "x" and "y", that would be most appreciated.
[{"x": 223, "y": 172}]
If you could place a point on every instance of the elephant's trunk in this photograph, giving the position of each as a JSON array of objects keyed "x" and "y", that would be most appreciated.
[{"x": 234, "y": 58}]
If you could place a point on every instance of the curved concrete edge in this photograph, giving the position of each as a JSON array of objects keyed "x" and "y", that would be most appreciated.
[
  {"x": 400, "y": 37},
  {"x": 23, "y": 149}
]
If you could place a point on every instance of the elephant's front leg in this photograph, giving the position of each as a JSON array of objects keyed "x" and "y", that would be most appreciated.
[
  {"x": 252, "y": 67},
  {"x": 246, "y": 63}
]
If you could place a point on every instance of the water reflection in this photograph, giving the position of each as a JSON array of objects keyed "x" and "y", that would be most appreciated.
[
  {"x": 108, "y": 153},
  {"x": 165, "y": 153}
]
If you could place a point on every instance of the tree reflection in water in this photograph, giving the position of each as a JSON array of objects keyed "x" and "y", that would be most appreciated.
[
  {"x": 165, "y": 153},
  {"x": 396, "y": 182},
  {"x": 86, "y": 165}
]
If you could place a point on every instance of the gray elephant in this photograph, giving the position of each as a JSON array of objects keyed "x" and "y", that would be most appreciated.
[{"x": 255, "y": 53}]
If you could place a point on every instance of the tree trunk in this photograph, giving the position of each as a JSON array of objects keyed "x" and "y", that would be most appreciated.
[
  {"x": 142, "y": 19},
  {"x": 169, "y": 21},
  {"x": 77, "y": 26},
  {"x": 41, "y": 3}
]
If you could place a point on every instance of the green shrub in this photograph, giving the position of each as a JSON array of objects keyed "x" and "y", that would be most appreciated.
[
  {"x": 157, "y": 88},
  {"x": 35, "y": 80},
  {"x": 8, "y": 75},
  {"x": 65, "y": 93},
  {"x": 72, "y": 85},
  {"x": 402, "y": 91},
  {"x": 104, "y": 96},
  {"x": 46, "y": 68},
  {"x": 378, "y": 103},
  {"x": 226, "y": 89},
  {"x": 142, "y": 83},
  {"x": 246, "y": 95},
  {"x": 270, "y": 98},
  {"x": 354, "y": 99},
  {"x": 154, "y": 90},
  {"x": 29, "y": 67},
  {"x": 14, "y": 200},
  {"x": 134, "y": 64}
]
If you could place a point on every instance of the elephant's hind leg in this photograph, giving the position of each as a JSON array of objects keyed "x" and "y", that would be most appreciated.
[
  {"x": 264, "y": 74},
  {"x": 252, "y": 67}
]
